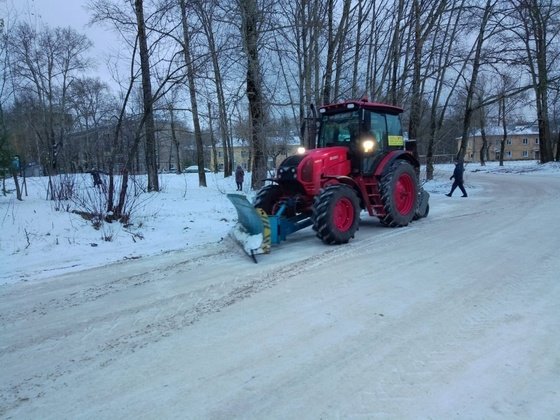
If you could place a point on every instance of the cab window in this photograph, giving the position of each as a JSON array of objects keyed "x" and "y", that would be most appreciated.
[
  {"x": 339, "y": 129},
  {"x": 394, "y": 125},
  {"x": 378, "y": 127}
]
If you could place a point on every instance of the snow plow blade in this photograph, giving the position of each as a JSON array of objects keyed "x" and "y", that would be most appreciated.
[
  {"x": 256, "y": 231},
  {"x": 252, "y": 230}
]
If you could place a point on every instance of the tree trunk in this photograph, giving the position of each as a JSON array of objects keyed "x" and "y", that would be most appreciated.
[
  {"x": 212, "y": 139},
  {"x": 330, "y": 54},
  {"x": 16, "y": 183},
  {"x": 483, "y": 154},
  {"x": 192, "y": 94},
  {"x": 537, "y": 20},
  {"x": 249, "y": 13},
  {"x": 421, "y": 32},
  {"x": 541, "y": 89},
  {"x": 395, "y": 55},
  {"x": 175, "y": 142},
  {"x": 484, "y": 148},
  {"x": 469, "y": 108},
  {"x": 149, "y": 125},
  {"x": 207, "y": 23},
  {"x": 416, "y": 100},
  {"x": 340, "y": 48},
  {"x": 558, "y": 146},
  {"x": 502, "y": 117},
  {"x": 357, "y": 48}
]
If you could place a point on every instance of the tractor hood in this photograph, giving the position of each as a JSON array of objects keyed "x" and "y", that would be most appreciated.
[{"x": 309, "y": 168}]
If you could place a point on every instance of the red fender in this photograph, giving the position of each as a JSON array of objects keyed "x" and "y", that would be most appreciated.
[{"x": 391, "y": 157}]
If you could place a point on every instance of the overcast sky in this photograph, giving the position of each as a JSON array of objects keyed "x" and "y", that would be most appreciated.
[{"x": 66, "y": 13}]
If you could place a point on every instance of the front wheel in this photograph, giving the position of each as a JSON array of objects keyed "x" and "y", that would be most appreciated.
[
  {"x": 268, "y": 197},
  {"x": 336, "y": 214},
  {"x": 399, "y": 194}
]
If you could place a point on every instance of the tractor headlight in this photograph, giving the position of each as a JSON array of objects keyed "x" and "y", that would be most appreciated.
[
  {"x": 369, "y": 145},
  {"x": 301, "y": 150}
]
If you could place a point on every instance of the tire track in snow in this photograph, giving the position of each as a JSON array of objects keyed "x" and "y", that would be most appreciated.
[
  {"x": 90, "y": 294},
  {"x": 171, "y": 315}
]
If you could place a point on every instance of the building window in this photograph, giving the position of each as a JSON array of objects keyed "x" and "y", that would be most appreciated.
[
  {"x": 508, "y": 154},
  {"x": 536, "y": 141},
  {"x": 525, "y": 141},
  {"x": 508, "y": 141},
  {"x": 525, "y": 153},
  {"x": 220, "y": 154},
  {"x": 244, "y": 153}
]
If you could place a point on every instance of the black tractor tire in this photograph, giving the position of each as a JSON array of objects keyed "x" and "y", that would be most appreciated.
[
  {"x": 268, "y": 197},
  {"x": 399, "y": 194},
  {"x": 336, "y": 214}
]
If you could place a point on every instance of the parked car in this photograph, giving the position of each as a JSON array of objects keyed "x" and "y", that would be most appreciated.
[{"x": 194, "y": 170}]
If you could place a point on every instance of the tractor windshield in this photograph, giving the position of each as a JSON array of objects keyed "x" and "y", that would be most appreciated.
[{"x": 339, "y": 129}]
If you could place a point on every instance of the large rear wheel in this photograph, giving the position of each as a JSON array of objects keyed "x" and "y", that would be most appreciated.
[
  {"x": 399, "y": 193},
  {"x": 336, "y": 214}
]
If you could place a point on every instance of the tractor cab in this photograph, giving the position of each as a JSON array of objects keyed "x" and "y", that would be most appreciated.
[{"x": 367, "y": 129}]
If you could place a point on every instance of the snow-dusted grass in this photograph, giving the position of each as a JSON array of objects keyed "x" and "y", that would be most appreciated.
[{"x": 37, "y": 241}]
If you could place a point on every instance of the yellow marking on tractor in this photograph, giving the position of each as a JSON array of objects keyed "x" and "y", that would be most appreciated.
[{"x": 266, "y": 231}]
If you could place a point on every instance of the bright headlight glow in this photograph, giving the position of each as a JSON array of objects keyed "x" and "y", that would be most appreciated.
[
  {"x": 368, "y": 146},
  {"x": 301, "y": 150}
]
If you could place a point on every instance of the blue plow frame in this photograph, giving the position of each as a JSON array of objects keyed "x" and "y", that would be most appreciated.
[{"x": 281, "y": 227}]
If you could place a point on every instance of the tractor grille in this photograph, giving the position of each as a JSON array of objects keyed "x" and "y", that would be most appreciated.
[{"x": 288, "y": 168}]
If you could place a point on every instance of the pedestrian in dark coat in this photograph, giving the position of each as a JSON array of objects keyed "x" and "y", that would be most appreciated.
[
  {"x": 458, "y": 178},
  {"x": 239, "y": 175}
]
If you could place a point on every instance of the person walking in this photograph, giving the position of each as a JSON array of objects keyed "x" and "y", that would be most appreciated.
[
  {"x": 239, "y": 176},
  {"x": 458, "y": 178}
]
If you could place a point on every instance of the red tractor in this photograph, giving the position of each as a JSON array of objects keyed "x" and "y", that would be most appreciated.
[{"x": 361, "y": 163}]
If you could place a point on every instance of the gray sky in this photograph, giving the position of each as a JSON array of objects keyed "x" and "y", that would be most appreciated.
[{"x": 66, "y": 13}]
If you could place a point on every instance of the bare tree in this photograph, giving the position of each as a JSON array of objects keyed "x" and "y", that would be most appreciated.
[
  {"x": 483, "y": 154},
  {"x": 300, "y": 32},
  {"x": 250, "y": 20},
  {"x": 444, "y": 86},
  {"x": 206, "y": 12},
  {"x": 423, "y": 27},
  {"x": 44, "y": 65},
  {"x": 92, "y": 104},
  {"x": 537, "y": 26},
  {"x": 148, "y": 100},
  {"x": 472, "y": 83},
  {"x": 335, "y": 38},
  {"x": 395, "y": 53},
  {"x": 192, "y": 93}
]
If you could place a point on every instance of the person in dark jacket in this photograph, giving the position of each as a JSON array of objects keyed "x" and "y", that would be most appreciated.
[
  {"x": 239, "y": 175},
  {"x": 458, "y": 178}
]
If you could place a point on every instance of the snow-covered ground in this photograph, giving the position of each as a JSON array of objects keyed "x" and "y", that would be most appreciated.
[
  {"x": 38, "y": 242},
  {"x": 453, "y": 316}
]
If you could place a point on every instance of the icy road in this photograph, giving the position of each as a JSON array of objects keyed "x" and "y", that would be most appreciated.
[{"x": 455, "y": 316}]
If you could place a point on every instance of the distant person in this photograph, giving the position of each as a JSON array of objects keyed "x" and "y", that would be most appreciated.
[
  {"x": 239, "y": 176},
  {"x": 458, "y": 178},
  {"x": 97, "y": 181}
]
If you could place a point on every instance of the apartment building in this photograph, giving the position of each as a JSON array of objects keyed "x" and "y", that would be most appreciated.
[
  {"x": 278, "y": 148},
  {"x": 522, "y": 143}
]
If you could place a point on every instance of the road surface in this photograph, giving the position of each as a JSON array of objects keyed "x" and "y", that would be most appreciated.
[{"x": 454, "y": 316}]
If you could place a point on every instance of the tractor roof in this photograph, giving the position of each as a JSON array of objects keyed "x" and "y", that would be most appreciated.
[{"x": 360, "y": 104}]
